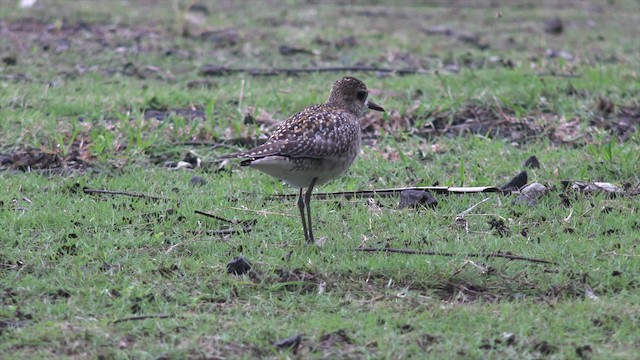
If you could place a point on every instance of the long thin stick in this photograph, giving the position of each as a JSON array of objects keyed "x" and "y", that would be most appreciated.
[
  {"x": 124, "y": 193},
  {"x": 394, "y": 191},
  {"x": 437, "y": 253},
  {"x": 277, "y": 71},
  {"x": 142, "y": 317}
]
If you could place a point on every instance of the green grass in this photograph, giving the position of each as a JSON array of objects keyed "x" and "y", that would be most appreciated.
[{"x": 75, "y": 267}]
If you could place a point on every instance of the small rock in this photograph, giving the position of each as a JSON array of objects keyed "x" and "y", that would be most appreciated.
[
  {"x": 530, "y": 194},
  {"x": 322, "y": 241},
  {"x": 238, "y": 266},
  {"x": 25, "y": 4},
  {"x": 62, "y": 45},
  {"x": 525, "y": 200},
  {"x": 509, "y": 338},
  {"x": 589, "y": 188},
  {"x": 534, "y": 190},
  {"x": 413, "y": 198}
]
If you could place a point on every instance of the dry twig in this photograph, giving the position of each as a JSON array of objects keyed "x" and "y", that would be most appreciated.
[
  {"x": 124, "y": 193},
  {"x": 437, "y": 253},
  {"x": 142, "y": 317}
]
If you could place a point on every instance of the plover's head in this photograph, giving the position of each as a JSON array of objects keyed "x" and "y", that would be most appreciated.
[{"x": 353, "y": 95}]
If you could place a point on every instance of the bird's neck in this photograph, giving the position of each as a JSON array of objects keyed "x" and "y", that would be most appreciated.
[{"x": 352, "y": 108}]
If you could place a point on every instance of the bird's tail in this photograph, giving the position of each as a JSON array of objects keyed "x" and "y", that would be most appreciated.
[
  {"x": 229, "y": 156},
  {"x": 245, "y": 162}
]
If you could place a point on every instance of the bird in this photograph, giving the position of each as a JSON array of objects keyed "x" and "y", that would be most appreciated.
[{"x": 315, "y": 145}]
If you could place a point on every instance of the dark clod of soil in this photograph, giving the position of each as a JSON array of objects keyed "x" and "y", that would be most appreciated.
[
  {"x": 238, "y": 266},
  {"x": 334, "y": 338},
  {"x": 545, "y": 348},
  {"x": 499, "y": 226},
  {"x": 532, "y": 162},
  {"x": 290, "y": 50},
  {"x": 9, "y": 324},
  {"x": 199, "y": 7},
  {"x": 10, "y": 60},
  {"x": 201, "y": 84},
  {"x": 197, "y": 181},
  {"x": 517, "y": 182},
  {"x": 221, "y": 38},
  {"x": 584, "y": 352},
  {"x": 213, "y": 70},
  {"x": 605, "y": 105},
  {"x": 292, "y": 342},
  {"x": 553, "y": 26},
  {"x": 413, "y": 198}
]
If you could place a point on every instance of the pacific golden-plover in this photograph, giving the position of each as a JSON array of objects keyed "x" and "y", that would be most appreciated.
[{"x": 315, "y": 145}]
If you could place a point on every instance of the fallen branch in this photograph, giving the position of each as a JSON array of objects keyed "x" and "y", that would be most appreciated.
[
  {"x": 215, "y": 217},
  {"x": 142, "y": 317},
  {"x": 465, "y": 212},
  {"x": 396, "y": 191},
  {"x": 552, "y": 74},
  {"x": 246, "y": 224},
  {"x": 437, "y": 253},
  {"x": 229, "y": 231},
  {"x": 213, "y": 70},
  {"x": 209, "y": 144},
  {"x": 125, "y": 193}
]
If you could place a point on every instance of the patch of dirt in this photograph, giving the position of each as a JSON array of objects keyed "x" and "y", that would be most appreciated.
[
  {"x": 31, "y": 159},
  {"x": 499, "y": 122},
  {"x": 484, "y": 119},
  {"x": 213, "y": 347},
  {"x": 335, "y": 345},
  {"x": 464, "y": 292},
  {"x": 82, "y": 39},
  {"x": 295, "y": 280},
  {"x": 195, "y": 113},
  {"x": 619, "y": 120}
]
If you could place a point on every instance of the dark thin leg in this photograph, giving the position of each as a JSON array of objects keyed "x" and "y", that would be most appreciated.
[
  {"x": 307, "y": 200},
  {"x": 304, "y": 221}
]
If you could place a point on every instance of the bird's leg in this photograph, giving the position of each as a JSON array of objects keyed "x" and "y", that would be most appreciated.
[
  {"x": 307, "y": 200},
  {"x": 304, "y": 221}
]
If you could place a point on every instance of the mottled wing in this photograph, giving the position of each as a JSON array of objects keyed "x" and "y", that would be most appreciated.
[{"x": 315, "y": 132}]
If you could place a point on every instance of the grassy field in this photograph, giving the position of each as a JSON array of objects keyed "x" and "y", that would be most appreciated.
[{"x": 114, "y": 95}]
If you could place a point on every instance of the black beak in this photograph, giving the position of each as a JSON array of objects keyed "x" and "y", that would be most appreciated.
[{"x": 373, "y": 106}]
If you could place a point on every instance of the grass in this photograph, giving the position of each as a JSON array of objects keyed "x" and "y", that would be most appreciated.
[{"x": 77, "y": 269}]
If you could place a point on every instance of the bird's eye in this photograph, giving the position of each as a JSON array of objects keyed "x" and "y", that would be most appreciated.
[{"x": 362, "y": 95}]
